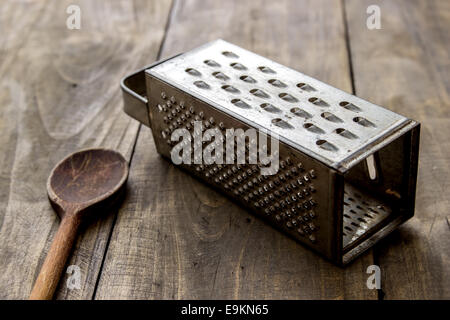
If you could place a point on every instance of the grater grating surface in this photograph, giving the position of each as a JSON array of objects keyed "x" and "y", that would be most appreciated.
[
  {"x": 306, "y": 113},
  {"x": 362, "y": 212}
]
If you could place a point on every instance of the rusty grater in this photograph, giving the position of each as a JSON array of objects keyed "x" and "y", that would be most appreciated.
[{"x": 347, "y": 168}]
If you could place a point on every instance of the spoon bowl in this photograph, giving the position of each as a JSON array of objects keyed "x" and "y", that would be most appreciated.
[{"x": 86, "y": 178}]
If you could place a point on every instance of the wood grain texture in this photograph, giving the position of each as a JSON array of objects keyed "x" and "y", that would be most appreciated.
[
  {"x": 405, "y": 66},
  {"x": 59, "y": 92},
  {"x": 176, "y": 238}
]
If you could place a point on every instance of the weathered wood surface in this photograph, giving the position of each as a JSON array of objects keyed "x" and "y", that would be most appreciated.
[
  {"x": 405, "y": 66},
  {"x": 174, "y": 237},
  {"x": 59, "y": 92}
]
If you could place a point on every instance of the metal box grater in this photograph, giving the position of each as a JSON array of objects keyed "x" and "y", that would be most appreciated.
[{"x": 347, "y": 168}]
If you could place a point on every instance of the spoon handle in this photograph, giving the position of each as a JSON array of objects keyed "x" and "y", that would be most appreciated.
[{"x": 54, "y": 263}]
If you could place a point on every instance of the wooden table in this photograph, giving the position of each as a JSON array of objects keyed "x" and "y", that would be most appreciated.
[{"x": 174, "y": 238}]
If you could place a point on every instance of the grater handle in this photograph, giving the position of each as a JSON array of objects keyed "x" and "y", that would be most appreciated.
[{"x": 135, "y": 96}]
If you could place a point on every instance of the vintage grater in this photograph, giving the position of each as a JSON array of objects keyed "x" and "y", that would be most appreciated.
[{"x": 348, "y": 168}]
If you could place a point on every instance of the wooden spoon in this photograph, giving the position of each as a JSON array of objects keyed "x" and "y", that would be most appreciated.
[{"x": 78, "y": 187}]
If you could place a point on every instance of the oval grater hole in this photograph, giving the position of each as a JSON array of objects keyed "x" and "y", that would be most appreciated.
[
  {"x": 352, "y": 211},
  {"x": 364, "y": 122},
  {"x": 345, "y": 133},
  {"x": 349, "y": 106},
  {"x": 247, "y": 79},
  {"x": 346, "y": 204},
  {"x": 211, "y": 63},
  {"x": 287, "y": 97},
  {"x": 238, "y": 66},
  {"x": 230, "y": 54},
  {"x": 220, "y": 75},
  {"x": 368, "y": 215},
  {"x": 347, "y": 216},
  {"x": 193, "y": 72},
  {"x": 269, "y": 108},
  {"x": 318, "y": 102},
  {"x": 351, "y": 199},
  {"x": 230, "y": 89},
  {"x": 305, "y": 87},
  {"x": 348, "y": 228},
  {"x": 241, "y": 104},
  {"x": 265, "y": 69},
  {"x": 281, "y": 123},
  {"x": 301, "y": 113},
  {"x": 259, "y": 93},
  {"x": 324, "y": 144},
  {"x": 331, "y": 117},
  {"x": 313, "y": 128},
  {"x": 277, "y": 83},
  {"x": 201, "y": 84}
]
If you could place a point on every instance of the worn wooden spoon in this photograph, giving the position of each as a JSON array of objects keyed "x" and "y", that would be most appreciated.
[{"x": 80, "y": 186}]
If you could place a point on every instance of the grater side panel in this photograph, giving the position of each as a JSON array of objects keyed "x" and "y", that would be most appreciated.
[{"x": 295, "y": 200}]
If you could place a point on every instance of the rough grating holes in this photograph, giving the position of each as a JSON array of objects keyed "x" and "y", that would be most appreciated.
[
  {"x": 281, "y": 123},
  {"x": 277, "y": 83},
  {"x": 211, "y": 63},
  {"x": 346, "y": 134},
  {"x": 241, "y": 104},
  {"x": 193, "y": 72},
  {"x": 259, "y": 93},
  {"x": 202, "y": 84},
  {"x": 324, "y": 144},
  {"x": 265, "y": 69},
  {"x": 318, "y": 102},
  {"x": 247, "y": 79},
  {"x": 287, "y": 97},
  {"x": 220, "y": 75},
  {"x": 230, "y": 89},
  {"x": 270, "y": 108},
  {"x": 305, "y": 87},
  {"x": 230, "y": 54},
  {"x": 313, "y": 128},
  {"x": 301, "y": 113},
  {"x": 238, "y": 66},
  {"x": 331, "y": 117},
  {"x": 349, "y": 106},
  {"x": 363, "y": 122}
]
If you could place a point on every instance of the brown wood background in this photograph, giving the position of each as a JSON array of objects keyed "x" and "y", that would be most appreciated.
[{"x": 174, "y": 238}]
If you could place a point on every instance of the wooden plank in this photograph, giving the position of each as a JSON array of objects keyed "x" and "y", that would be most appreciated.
[
  {"x": 175, "y": 238},
  {"x": 405, "y": 67},
  {"x": 59, "y": 92}
]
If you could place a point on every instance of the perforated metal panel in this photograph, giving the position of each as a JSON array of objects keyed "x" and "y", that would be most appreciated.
[
  {"x": 325, "y": 194},
  {"x": 310, "y": 115}
]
